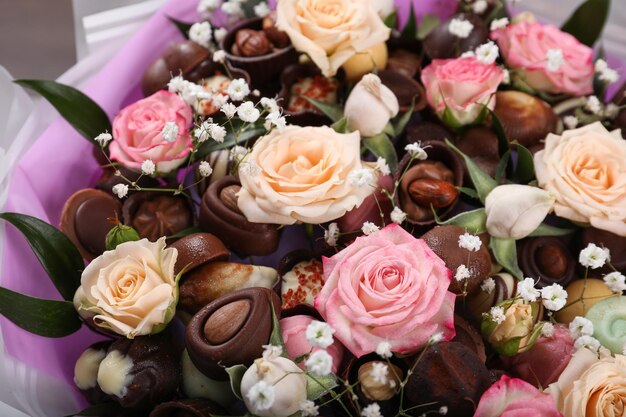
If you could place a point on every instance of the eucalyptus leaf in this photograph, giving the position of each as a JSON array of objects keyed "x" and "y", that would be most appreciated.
[
  {"x": 235, "y": 374},
  {"x": 333, "y": 111},
  {"x": 84, "y": 114},
  {"x": 410, "y": 29},
  {"x": 481, "y": 180},
  {"x": 55, "y": 251},
  {"x": 525, "y": 167},
  {"x": 505, "y": 252},
  {"x": 547, "y": 230},
  {"x": 474, "y": 221},
  {"x": 48, "y": 318},
  {"x": 183, "y": 27},
  {"x": 587, "y": 22},
  {"x": 429, "y": 22},
  {"x": 316, "y": 386},
  {"x": 381, "y": 146}
]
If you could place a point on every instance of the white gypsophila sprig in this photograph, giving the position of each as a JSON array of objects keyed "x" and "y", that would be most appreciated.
[
  {"x": 460, "y": 28},
  {"x": 201, "y": 33},
  {"x": 331, "y": 234},
  {"x": 201, "y": 133},
  {"x": 580, "y": 326},
  {"x": 217, "y": 132},
  {"x": 487, "y": 53},
  {"x": 588, "y": 342},
  {"x": 379, "y": 372},
  {"x": 570, "y": 121},
  {"x": 103, "y": 139},
  {"x": 467, "y": 54},
  {"x": 249, "y": 169},
  {"x": 120, "y": 190},
  {"x": 499, "y": 23},
  {"x": 554, "y": 297},
  {"x": 436, "y": 338},
  {"x": 319, "y": 363},
  {"x": 479, "y": 6},
  {"x": 443, "y": 410},
  {"x": 616, "y": 281},
  {"x": 270, "y": 105},
  {"x": 233, "y": 9},
  {"x": 369, "y": 228},
  {"x": 383, "y": 349},
  {"x": 275, "y": 119},
  {"x": 271, "y": 352},
  {"x": 488, "y": 285},
  {"x": 237, "y": 153},
  {"x": 262, "y": 395},
  {"x": 593, "y": 105},
  {"x": 319, "y": 333},
  {"x": 148, "y": 167},
  {"x": 361, "y": 177},
  {"x": 605, "y": 73},
  {"x": 526, "y": 289},
  {"x": 238, "y": 89},
  {"x": 262, "y": 9},
  {"x": 176, "y": 84},
  {"x": 220, "y": 34},
  {"x": 229, "y": 110},
  {"x": 594, "y": 256},
  {"x": 308, "y": 409},
  {"x": 170, "y": 132},
  {"x": 496, "y": 314},
  {"x": 470, "y": 242},
  {"x": 372, "y": 410},
  {"x": 207, "y": 6},
  {"x": 462, "y": 273},
  {"x": 416, "y": 151},
  {"x": 554, "y": 59},
  {"x": 204, "y": 169},
  {"x": 382, "y": 166},
  {"x": 248, "y": 113},
  {"x": 547, "y": 329},
  {"x": 219, "y": 56},
  {"x": 397, "y": 215}
]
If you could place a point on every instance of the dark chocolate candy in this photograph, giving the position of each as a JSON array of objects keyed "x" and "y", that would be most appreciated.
[
  {"x": 481, "y": 144},
  {"x": 278, "y": 38},
  {"x": 187, "y": 408},
  {"x": 469, "y": 336},
  {"x": 249, "y": 42},
  {"x": 93, "y": 394},
  {"x": 404, "y": 62},
  {"x": 441, "y": 44},
  {"x": 198, "y": 249},
  {"x": 548, "y": 259},
  {"x": 406, "y": 89},
  {"x": 155, "y": 214}
]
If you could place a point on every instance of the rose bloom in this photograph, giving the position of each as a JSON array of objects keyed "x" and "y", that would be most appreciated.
[
  {"x": 387, "y": 287},
  {"x": 130, "y": 290},
  {"x": 511, "y": 397},
  {"x": 518, "y": 324},
  {"x": 331, "y": 31},
  {"x": 463, "y": 86},
  {"x": 302, "y": 174},
  {"x": 591, "y": 387},
  {"x": 137, "y": 132},
  {"x": 525, "y": 45},
  {"x": 585, "y": 170}
]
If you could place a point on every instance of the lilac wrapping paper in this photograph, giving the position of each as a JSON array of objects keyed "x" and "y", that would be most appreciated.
[{"x": 61, "y": 162}]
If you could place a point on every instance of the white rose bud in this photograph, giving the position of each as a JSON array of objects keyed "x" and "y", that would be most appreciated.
[
  {"x": 370, "y": 106},
  {"x": 288, "y": 380},
  {"x": 514, "y": 211},
  {"x": 383, "y": 7}
]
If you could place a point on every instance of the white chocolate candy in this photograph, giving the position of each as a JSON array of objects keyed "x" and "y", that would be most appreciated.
[
  {"x": 197, "y": 385},
  {"x": 114, "y": 373},
  {"x": 86, "y": 368}
]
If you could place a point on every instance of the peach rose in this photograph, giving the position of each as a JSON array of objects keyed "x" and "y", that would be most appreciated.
[
  {"x": 137, "y": 132},
  {"x": 514, "y": 334},
  {"x": 524, "y": 46},
  {"x": 591, "y": 387},
  {"x": 388, "y": 286},
  {"x": 130, "y": 290},
  {"x": 584, "y": 169},
  {"x": 458, "y": 89},
  {"x": 304, "y": 174},
  {"x": 331, "y": 31}
]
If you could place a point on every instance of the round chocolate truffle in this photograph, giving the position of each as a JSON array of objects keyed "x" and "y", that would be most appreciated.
[
  {"x": 483, "y": 298},
  {"x": 154, "y": 215},
  {"x": 442, "y": 44},
  {"x": 547, "y": 258}
]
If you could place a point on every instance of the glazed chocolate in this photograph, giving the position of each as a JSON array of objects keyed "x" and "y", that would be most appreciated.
[
  {"x": 614, "y": 243},
  {"x": 232, "y": 227},
  {"x": 198, "y": 249},
  {"x": 141, "y": 372},
  {"x": 427, "y": 132},
  {"x": 444, "y": 241},
  {"x": 85, "y": 220},
  {"x": 231, "y": 330},
  {"x": 406, "y": 90},
  {"x": 187, "y": 408},
  {"x": 441, "y": 44},
  {"x": 404, "y": 62},
  {"x": 250, "y": 43},
  {"x": 154, "y": 214},
  {"x": 548, "y": 259},
  {"x": 469, "y": 336},
  {"x": 449, "y": 374},
  {"x": 481, "y": 144}
]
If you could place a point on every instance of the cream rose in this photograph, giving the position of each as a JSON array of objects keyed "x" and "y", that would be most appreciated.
[
  {"x": 130, "y": 290},
  {"x": 307, "y": 174},
  {"x": 591, "y": 387},
  {"x": 585, "y": 170},
  {"x": 331, "y": 31}
]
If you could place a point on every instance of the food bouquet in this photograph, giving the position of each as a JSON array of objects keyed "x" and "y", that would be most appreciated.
[{"x": 339, "y": 208}]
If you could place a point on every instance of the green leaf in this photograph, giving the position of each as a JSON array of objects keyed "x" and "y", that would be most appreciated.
[
  {"x": 48, "y": 318},
  {"x": 404, "y": 119},
  {"x": 498, "y": 129},
  {"x": 502, "y": 164},
  {"x": 55, "y": 251},
  {"x": 341, "y": 126},
  {"x": 587, "y": 22},
  {"x": 547, "y": 230},
  {"x": 429, "y": 22},
  {"x": 505, "y": 252},
  {"x": 186, "y": 232},
  {"x": 481, "y": 180},
  {"x": 84, "y": 114},
  {"x": 276, "y": 338},
  {"x": 235, "y": 374},
  {"x": 391, "y": 21},
  {"x": 381, "y": 146},
  {"x": 183, "y": 27},
  {"x": 316, "y": 386},
  {"x": 389, "y": 130},
  {"x": 229, "y": 141},
  {"x": 470, "y": 192},
  {"x": 525, "y": 167},
  {"x": 474, "y": 221},
  {"x": 333, "y": 111},
  {"x": 410, "y": 29}
]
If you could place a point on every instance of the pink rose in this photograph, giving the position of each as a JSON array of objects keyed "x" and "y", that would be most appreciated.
[
  {"x": 137, "y": 132},
  {"x": 525, "y": 45},
  {"x": 293, "y": 330},
  {"x": 511, "y": 397},
  {"x": 463, "y": 86},
  {"x": 390, "y": 287}
]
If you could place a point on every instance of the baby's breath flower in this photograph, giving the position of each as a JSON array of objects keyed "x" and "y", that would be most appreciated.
[
  {"x": 616, "y": 282},
  {"x": 379, "y": 372},
  {"x": 593, "y": 105},
  {"x": 462, "y": 273},
  {"x": 148, "y": 167},
  {"x": 554, "y": 297},
  {"x": 309, "y": 409},
  {"x": 229, "y": 110},
  {"x": 170, "y": 131},
  {"x": 201, "y": 33},
  {"x": 319, "y": 334},
  {"x": 369, "y": 228},
  {"x": 547, "y": 329},
  {"x": 499, "y": 23},
  {"x": 103, "y": 139},
  {"x": 220, "y": 34},
  {"x": 261, "y": 9},
  {"x": 331, "y": 234},
  {"x": 271, "y": 352},
  {"x": 588, "y": 342},
  {"x": 238, "y": 89},
  {"x": 248, "y": 113},
  {"x": 361, "y": 177},
  {"x": 262, "y": 395},
  {"x": 382, "y": 167},
  {"x": 479, "y": 6},
  {"x": 594, "y": 256},
  {"x": 397, "y": 215},
  {"x": 487, "y": 53},
  {"x": 120, "y": 190},
  {"x": 470, "y": 242},
  {"x": 580, "y": 326},
  {"x": 372, "y": 410},
  {"x": 205, "y": 169},
  {"x": 460, "y": 28},
  {"x": 570, "y": 121},
  {"x": 219, "y": 56},
  {"x": 384, "y": 350},
  {"x": 526, "y": 289},
  {"x": 319, "y": 363},
  {"x": 497, "y": 314},
  {"x": 488, "y": 285},
  {"x": 416, "y": 151}
]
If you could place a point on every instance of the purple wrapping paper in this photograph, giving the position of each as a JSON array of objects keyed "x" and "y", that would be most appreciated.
[{"x": 61, "y": 162}]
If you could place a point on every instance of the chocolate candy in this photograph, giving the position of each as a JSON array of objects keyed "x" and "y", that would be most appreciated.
[
  {"x": 231, "y": 330},
  {"x": 449, "y": 374},
  {"x": 425, "y": 131},
  {"x": 609, "y": 323},
  {"x": 469, "y": 336},
  {"x": 614, "y": 243},
  {"x": 548, "y": 259},
  {"x": 369, "y": 211},
  {"x": 278, "y": 38},
  {"x": 187, "y": 408},
  {"x": 480, "y": 301},
  {"x": 154, "y": 215},
  {"x": 197, "y": 385},
  {"x": 141, "y": 372},
  {"x": 481, "y": 144},
  {"x": 250, "y": 42},
  {"x": 86, "y": 372},
  {"x": 373, "y": 388},
  {"x": 84, "y": 220},
  {"x": 581, "y": 296},
  {"x": 444, "y": 241},
  {"x": 404, "y": 62},
  {"x": 198, "y": 249},
  {"x": 232, "y": 227},
  {"x": 441, "y": 44},
  {"x": 406, "y": 89}
]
